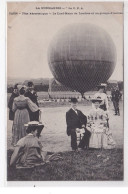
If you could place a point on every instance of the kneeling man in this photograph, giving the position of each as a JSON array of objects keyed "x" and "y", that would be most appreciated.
[{"x": 76, "y": 119}]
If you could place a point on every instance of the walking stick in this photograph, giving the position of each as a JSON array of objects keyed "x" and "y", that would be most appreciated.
[
  {"x": 40, "y": 121},
  {"x": 40, "y": 114}
]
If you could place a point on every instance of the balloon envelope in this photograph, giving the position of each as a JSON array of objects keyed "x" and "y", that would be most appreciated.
[{"x": 82, "y": 56}]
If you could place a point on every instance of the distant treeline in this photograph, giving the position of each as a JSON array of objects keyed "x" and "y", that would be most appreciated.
[
  {"x": 37, "y": 88},
  {"x": 120, "y": 84},
  {"x": 40, "y": 87},
  {"x": 43, "y": 88}
]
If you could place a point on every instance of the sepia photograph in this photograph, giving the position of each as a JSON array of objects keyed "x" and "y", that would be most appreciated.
[{"x": 65, "y": 91}]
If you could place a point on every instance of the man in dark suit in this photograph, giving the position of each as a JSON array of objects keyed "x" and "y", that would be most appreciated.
[
  {"x": 116, "y": 96},
  {"x": 30, "y": 93},
  {"x": 76, "y": 119}
]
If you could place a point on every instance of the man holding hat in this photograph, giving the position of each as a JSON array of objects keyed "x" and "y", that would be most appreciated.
[{"x": 75, "y": 119}]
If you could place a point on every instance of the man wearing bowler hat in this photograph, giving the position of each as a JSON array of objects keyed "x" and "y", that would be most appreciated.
[{"x": 75, "y": 119}]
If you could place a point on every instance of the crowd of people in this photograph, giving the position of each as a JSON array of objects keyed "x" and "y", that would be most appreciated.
[
  {"x": 23, "y": 107},
  {"x": 26, "y": 129},
  {"x": 86, "y": 131}
]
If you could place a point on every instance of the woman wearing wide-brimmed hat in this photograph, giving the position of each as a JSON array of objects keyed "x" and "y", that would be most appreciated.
[
  {"x": 101, "y": 93},
  {"x": 20, "y": 108},
  {"x": 101, "y": 136},
  {"x": 28, "y": 152},
  {"x": 27, "y": 149}
]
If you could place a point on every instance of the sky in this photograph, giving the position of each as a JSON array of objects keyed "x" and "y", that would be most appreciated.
[{"x": 29, "y": 36}]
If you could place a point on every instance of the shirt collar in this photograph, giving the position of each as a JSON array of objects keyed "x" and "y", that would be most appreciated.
[
  {"x": 74, "y": 110},
  {"x": 30, "y": 134}
]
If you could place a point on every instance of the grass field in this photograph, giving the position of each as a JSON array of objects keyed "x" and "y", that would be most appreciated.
[
  {"x": 91, "y": 165},
  {"x": 54, "y": 135}
]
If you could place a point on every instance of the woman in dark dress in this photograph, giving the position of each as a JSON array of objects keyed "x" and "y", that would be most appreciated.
[{"x": 14, "y": 94}]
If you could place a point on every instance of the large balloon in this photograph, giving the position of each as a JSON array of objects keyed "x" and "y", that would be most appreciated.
[{"x": 82, "y": 56}]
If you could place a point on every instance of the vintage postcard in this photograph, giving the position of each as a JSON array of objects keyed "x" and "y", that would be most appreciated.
[{"x": 65, "y": 91}]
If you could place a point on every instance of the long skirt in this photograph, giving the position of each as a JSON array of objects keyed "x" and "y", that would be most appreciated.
[
  {"x": 18, "y": 128},
  {"x": 102, "y": 140}
]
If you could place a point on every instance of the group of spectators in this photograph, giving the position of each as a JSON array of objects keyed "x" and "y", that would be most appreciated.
[
  {"x": 91, "y": 130},
  {"x": 26, "y": 129},
  {"x": 23, "y": 107}
]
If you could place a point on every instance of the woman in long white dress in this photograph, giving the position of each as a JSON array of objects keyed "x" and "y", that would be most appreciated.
[
  {"x": 100, "y": 93},
  {"x": 101, "y": 135},
  {"x": 20, "y": 108}
]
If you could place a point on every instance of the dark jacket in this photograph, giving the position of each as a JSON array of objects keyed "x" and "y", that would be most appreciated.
[
  {"x": 74, "y": 120},
  {"x": 116, "y": 95},
  {"x": 33, "y": 96},
  {"x": 10, "y": 103},
  {"x": 34, "y": 116}
]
